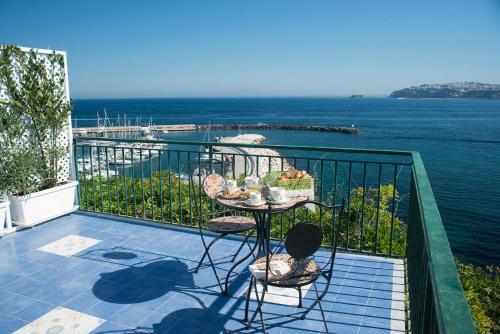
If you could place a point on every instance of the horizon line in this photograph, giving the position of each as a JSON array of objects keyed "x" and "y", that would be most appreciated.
[{"x": 232, "y": 97}]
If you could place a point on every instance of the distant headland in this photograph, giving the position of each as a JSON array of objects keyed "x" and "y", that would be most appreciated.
[{"x": 470, "y": 90}]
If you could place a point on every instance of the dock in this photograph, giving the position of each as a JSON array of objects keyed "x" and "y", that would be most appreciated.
[
  {"x": 212, "y": 127},
  {"x": 135, "y": 128}
]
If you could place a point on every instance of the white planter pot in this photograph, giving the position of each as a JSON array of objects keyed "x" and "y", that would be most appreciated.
[
  {"x": 5, "y": 222},
  {"x": 44, "y": 205}
]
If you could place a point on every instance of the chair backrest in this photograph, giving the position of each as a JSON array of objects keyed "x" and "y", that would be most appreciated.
[
  {"x": 213, "y": 184},
  {"x": 205, "y": 179},
  {"x": 303, "y": 240},
  {"x": 309, "y": 230}
]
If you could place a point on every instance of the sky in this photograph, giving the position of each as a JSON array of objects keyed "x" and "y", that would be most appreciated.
[{"x": 236, "y": 48}]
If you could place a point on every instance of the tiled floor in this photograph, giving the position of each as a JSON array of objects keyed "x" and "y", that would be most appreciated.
[{"x": 136, "y": 278}]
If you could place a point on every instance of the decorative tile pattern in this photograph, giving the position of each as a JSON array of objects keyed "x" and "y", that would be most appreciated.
[
  {"x": 70, "y": 245},
  {"x": 62, "y": 320}
]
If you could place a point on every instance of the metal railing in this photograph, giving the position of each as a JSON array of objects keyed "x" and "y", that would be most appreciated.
[
  {"x": 437, "y": 300},
  {"x": 390, "y": 207}
]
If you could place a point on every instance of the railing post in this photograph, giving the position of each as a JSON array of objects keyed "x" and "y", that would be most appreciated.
[{"x": 78, "y": 195}]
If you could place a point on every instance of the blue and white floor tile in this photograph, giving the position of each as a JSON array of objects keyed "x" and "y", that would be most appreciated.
[
  {"x": 62, "y": 320},
  {"x": 69, "y": 245},
  {"x": 110, "y": 276}
]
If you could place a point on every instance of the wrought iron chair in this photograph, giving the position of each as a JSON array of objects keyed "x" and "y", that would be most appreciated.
[
  {"x": 302, "y": 241},
  {"x": 218, "y": 221}
]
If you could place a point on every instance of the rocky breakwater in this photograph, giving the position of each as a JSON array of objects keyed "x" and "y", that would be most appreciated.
[
  {"x": 253, "y": 164},
  {"x": 293, "y": 127}
]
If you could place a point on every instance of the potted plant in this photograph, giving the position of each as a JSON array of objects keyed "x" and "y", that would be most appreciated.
[
  {"x": 5, "y": 222},
  {"x": 35, "y": 122},
  {"x": 17, "y": 169}
]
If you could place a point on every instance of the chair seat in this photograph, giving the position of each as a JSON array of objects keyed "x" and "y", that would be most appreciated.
[
  {"x": 302, "y": 272},
  {"x": 230, "y": 224}
]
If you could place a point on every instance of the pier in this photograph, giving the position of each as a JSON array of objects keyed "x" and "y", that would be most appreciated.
[
  {"x": 135, "y": 128},
  {"x": 204, "y": 127}
]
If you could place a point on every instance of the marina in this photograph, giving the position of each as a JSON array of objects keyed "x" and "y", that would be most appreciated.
[
  {"x": 117, "y": 156},
  {"x": 133, "y": 129}
]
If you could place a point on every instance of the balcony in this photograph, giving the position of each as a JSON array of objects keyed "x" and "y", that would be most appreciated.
[
  {"x": 125, "y": 262},
  {"x": 139, "y": 277}
]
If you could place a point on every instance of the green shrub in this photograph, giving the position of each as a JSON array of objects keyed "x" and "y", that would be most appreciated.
[
  {"x": 365, "y": 227},
  {"x": 482, "y": 290},
  {"x": 143, "y": 198}
]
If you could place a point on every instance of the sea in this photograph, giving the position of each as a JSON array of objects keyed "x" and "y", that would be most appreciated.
[{"x": 459, "y": 140}]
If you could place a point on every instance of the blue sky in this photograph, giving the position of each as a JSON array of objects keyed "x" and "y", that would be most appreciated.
[{"x": 260, "y": 48}]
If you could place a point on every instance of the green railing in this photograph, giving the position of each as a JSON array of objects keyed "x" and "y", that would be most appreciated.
[
  {"x": 437, "y": 300},
  {"x": 390, "y": 207}
]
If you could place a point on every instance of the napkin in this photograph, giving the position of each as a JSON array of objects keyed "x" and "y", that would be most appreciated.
[{"x": 276, "y": 268}]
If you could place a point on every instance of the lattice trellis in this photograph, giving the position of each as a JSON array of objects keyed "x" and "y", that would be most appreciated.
[{"x": 65, "y": 137}]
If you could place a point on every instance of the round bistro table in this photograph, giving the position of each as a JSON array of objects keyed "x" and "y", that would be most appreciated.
[{"x": 260, "y": 214}]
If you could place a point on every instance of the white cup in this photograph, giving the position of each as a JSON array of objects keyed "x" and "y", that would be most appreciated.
[
  {"x": 251, "y": 181},
  {"x": 278, "y": 193},
  {"x": 255, "y": 197},
  {"x": 231, "y": 185}
]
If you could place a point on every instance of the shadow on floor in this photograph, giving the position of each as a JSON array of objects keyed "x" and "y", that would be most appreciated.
[
  {"x": 139, "y": 284},
  {"x": 120, "y": 255}
]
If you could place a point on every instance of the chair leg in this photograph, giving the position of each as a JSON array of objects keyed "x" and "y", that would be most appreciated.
[
  {"x": 200, "y": 262},
  {"x": 300, "y": 296},
  {"x": 260, "y": 309},
  {"x": 207, "y": 254},
  {"x": 226, "y": 283},
  {"x": 320, "y": 306},
  {"x": 259, "y": 306},
  {"x": 215, "y": 272},
  {"x": 250, "y": 248},
  {"x": 241, "y": 246},
  {"x": 318, "y": 300},
  {"x": 247, "y": 302},
  {"x": 206, "y": 248}
]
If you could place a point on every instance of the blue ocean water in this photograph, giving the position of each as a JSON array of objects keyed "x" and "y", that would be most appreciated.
[{"x": 459, "y": 141}]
